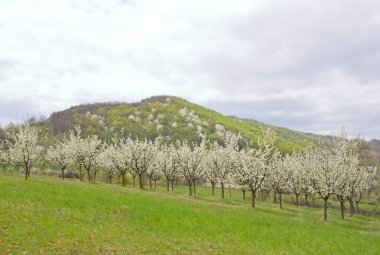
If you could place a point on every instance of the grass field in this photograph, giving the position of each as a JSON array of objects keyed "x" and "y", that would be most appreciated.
[{"x": 50, "y": 216}]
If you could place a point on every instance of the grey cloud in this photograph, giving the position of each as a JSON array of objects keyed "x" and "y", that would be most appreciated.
[
  {"x": 16, "y": 110},
  {"x": 5, "y": 66},
  {"x": 307, "y": 65},
  {"x": 299, "y": 115},
  {"x": 294, "y": 39}
]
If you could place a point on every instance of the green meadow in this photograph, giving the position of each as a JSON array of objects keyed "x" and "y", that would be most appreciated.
[{"x": 46, "y": 215}]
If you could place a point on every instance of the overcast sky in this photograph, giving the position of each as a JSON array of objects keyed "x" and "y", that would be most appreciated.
[{"x": 312, "y": 66}]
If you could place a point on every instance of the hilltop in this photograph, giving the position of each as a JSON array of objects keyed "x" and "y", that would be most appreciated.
[{"x": 170, "y": 117}]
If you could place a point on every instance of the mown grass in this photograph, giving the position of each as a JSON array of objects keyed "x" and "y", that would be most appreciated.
[{"x": 50, "y": 216}]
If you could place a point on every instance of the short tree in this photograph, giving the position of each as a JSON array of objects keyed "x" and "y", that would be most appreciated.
[
  {"x": 211, "y": 172},
  {"x": 60, "y": 155},
  {"x": 323, "y": 174},
  {"x": 364, "y": 183},
  {"x": 280, "y": 174},
  {"x": 168, "y": 162},
  {"x": 118, "y": 153},
  {"x": 88, "y": 149},
  {"x": 142, "y": 156},
  {"x": 297, "y": 172},
  {"x": 219, "y": 161},
  {"x": 154, "y": 173},
  {"x": 106, "y": 164},
  {"x": 24, "y": 151},
  {"x": 3, "y": 156},
  {"x": 74, "y": 144},
  {"x": 103, "y": 164},
  {"x": 192, "y": 162},
  {"x": 251, "y": 166},
  {"x": 307, "y": 166},
  {"x": 249, "y": 171},
  {"x": 333, "y": 165}
]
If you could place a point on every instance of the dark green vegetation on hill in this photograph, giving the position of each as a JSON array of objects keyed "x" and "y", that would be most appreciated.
[
  {"x": 51, "y": 216},
  {"x": 172, "y": 118}
]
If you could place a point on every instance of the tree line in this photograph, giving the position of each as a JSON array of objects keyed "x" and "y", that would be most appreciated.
[{"x": 323, "y": 171}]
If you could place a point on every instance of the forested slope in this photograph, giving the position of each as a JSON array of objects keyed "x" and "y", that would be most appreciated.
[{"x": 172, "y": 118}]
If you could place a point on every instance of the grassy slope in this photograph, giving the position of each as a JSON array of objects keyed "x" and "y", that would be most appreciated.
[
  {"x": 45, "y": 215},
  {"x": 287, "y": 139}
]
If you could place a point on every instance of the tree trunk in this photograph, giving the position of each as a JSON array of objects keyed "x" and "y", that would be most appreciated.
[
  {"x": 150, "y": 183},
  {"x": 357, "y": 208},
  {"x": 342, "y": 210},
  {"x": 213, "y": 188},
  {"x": 194, "y": 188},
  {"x": 134, "y": 181},
  {"x": 325, "y": 209},
  {"x": 253, "y": 197},
  {"x": 280, "y": 194},
  {"x": 229, "y": 190},
  {"x": 275, "y": 197},
  {"x": 140, "y": 181},
  {"x": 352, "y": 208},
  {"x": 190, "y": 184},
  {"x": 297, "y": 199},
  {"x": 26, "y": 171},
  {"x": 123, "y": 179},
  {"x": 172, "y": 185},
  {"x": 222, "y": 184},
  {"x": 306, "y": 197},
  {"x": 243, "y": 190},
  {"x": 312, "y": 198},
  {"x": 94, "y": 177},
  {"x": 63, "y": 174},
  {"x": 155, "y": 184},
  {"x": 267, "y": 195},
  {"x": 110, "y": 178},
  {"x": 80, "y": 172},
  {"x": 167, "y": 184},
  {"x": 88, "y": 175}
]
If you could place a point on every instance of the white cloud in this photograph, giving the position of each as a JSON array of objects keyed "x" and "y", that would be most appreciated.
[{"x": 308, "y": 65}]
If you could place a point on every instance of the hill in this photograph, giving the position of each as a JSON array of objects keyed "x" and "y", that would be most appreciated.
[
  {"x": 47, "y": 215},
  {"x": 172, "y": 118}
]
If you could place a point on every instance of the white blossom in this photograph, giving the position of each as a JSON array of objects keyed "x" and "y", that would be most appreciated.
[
  {"x": 219, "y": 129},
  {"x": 142, "y": 156},
  {"x": 168, "y": 160},
  {"x": 120, "y": 156},
  {"x": 183, "y": 111},
  {"x": 150, "y": 117},
  {"x": 252, "y": 166},
  {"x": 60, "y": 154},
  {"x": 24, "y": 151},
  {"x": 84, "y": 150},
  {"x": 192, "y": 158}
]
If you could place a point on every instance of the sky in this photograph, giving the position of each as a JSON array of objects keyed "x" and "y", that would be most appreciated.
[{"x": 311, "y": 66}]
